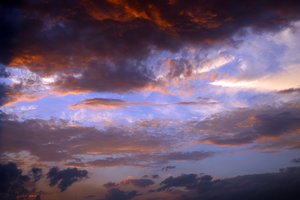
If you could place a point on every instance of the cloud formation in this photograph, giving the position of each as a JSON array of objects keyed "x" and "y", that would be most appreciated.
[
  {"x": 114, "y": 38},
  {"x": 146, "y": 160},
  {"x": 57, "y": 140},
  {"x": 273, "y": 186},
  {"x": 244, "y": 126},
  {"x": 66, "y": 177},
  {"x": 11, "y": 181},
  {"x": 117, "y": 194}
]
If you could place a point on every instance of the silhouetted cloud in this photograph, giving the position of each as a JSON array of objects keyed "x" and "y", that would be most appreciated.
[
  {"x": 11, "y": 181},
  {"x": 288, "y": 91},
  {"x": 66, "y": 177},
  {"x": 272, "y": 186},
  {"x": 117, "y": 194}
]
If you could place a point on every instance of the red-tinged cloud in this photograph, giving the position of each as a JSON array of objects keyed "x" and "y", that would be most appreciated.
[{"x": 104, "y": 45}]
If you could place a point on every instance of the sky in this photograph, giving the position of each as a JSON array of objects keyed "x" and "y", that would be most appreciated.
[{"x": 154, "y": 99}]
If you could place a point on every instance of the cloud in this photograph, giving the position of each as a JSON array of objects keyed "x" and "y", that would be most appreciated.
[
  {"x": 137, "y": 182},
  {"x": 271, "y": 186},
  {"x": 145, "y": 160},
  {"x": 12, "y": 181},
  {"x": 280, "y": 81},
  {"x": 140, "y": 183},
  {"x": 36, "y": 173},
  {"x": 103, "y": 46},
  {"x": 296, "y": 160},
  {"x": 117, "y": 194},
  {"x": 244, "y": 126},
  {"x": 57, "y": 141},
  {"x": 167, "y": 168},
  {"x": 105, "y": 103},
  {"x": 290, "y": 90},
  {"x": 66, "y": 177},
  {"x": 184, "y": 180},
  {"x": 110, "y": 185}
]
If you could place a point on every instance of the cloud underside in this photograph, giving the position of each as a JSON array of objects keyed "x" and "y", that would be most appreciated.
[{"x": 103, "y": 46}]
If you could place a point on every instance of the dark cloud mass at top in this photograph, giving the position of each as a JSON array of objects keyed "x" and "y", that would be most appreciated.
[{"x": 107, "y": 42}]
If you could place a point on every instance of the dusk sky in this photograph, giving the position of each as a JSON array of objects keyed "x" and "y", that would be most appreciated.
[{"x": 150, "y": 99}]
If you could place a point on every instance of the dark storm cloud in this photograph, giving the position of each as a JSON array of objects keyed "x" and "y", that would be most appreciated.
[
  {"x": 107, "y": 42},
  {"x": 57, "y": 141},
  {"x": 11, "y": 181},
  {"x": 117, "y": 194},
  {"x": 271, "y": 186},
  {"x": 66, "y": 177},
  {"x": 244, "y": 126}
]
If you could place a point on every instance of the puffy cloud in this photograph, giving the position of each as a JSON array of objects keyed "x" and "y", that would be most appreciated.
[{"x": 66, "y": 177}]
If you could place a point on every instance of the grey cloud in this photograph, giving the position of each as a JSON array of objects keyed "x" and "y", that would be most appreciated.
[
  {"x": 66, "y": 177},
  {"x": 56, "y": 140},
  {"x": 244, "y": 126}
]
